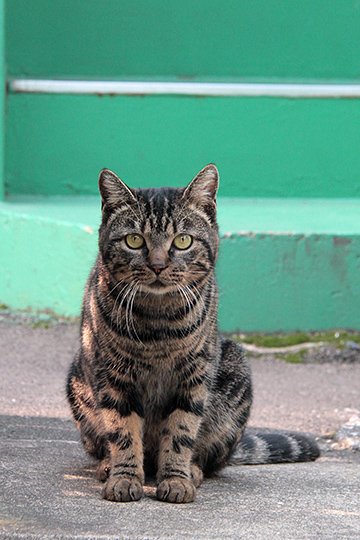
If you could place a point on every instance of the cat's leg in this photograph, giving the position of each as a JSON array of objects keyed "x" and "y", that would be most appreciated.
[
  {"x": 123, "y": 431},
  {"x": 111, "y": 436},
  {"x": 84, "y": 409},
  {"x": 227, "y": 410},
  {"x": 176, "y": 479}
]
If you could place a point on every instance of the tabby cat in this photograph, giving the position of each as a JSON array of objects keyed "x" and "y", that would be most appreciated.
[{"x": 154, "y": 389}]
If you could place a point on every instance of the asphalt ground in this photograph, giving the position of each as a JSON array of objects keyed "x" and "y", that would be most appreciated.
[{"x": 48, "y": 488}]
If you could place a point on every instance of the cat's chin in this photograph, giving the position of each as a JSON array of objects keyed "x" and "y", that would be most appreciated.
[{"x": 158, "y": 287}]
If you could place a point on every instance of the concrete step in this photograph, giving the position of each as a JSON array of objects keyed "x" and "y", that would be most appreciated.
[
  {"x": 263, "y": 146},
  {"x": 284, "y": 264}
]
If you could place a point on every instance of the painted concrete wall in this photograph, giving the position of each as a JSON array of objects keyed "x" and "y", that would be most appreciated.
[
  {"x": 290, "y": 250},
  {"x": 264, "y": 147},
  {"x": 2, "y": 99},
  {"x": 236, "y": 39},
  {"x": 283, "y": 265}
]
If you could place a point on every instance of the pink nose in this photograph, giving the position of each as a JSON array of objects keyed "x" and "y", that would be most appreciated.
[
  {"x": 157, "y": 260},
  {"x": 157, "y": 267}
]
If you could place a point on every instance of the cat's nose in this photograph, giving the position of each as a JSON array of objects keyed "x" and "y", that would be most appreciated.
[
  {"x": 157, "y": 260},
  {"x": 157, "y": 267}
]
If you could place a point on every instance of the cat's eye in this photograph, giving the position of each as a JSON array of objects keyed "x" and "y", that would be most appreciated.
[
  {"x": 134, "y": 241},
  {"x": 182, "y": 241}
]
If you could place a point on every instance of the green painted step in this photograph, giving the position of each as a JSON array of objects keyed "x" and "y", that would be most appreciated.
[
  {"x": 263, "y": 147},
  {"x": 284, "y": 264}
]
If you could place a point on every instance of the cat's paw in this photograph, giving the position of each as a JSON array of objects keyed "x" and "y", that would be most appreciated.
[
  {"x": 123, "y": 489},
  {"x": 176, "y": 490}
]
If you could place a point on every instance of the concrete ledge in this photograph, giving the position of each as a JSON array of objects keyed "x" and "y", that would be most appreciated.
[
  {"x": 47, "y": 247},
  {"x": 284, "y": 264}
]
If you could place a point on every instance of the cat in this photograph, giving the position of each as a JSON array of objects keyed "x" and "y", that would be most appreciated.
[{"x": 154, "y": 388}]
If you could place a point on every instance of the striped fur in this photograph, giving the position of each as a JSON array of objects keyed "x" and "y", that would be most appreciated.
[{"x": 154, "y": 388}]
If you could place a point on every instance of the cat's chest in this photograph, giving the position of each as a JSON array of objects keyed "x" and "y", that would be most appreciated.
[{"x": 157, "y": 386}]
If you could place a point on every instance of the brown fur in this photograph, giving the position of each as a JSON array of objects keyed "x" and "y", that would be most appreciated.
[{"x": 153, "y": 388}]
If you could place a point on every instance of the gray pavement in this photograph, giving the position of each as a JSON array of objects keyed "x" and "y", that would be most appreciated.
[{"x": 48, "y": 488}]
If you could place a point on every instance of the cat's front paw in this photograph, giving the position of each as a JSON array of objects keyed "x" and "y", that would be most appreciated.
[
  {"x": 123, "y": 489},
  {"x": 176, "y": 490}
]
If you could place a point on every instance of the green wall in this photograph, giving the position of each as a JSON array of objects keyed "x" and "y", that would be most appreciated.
[
  {"x": 264, "y": 147},
  {"x": 187, "y": 39},
  {"x": 2, "y": 98},
  {"x": 270, "y": 279},
  {"x": 289, "y": 256},
  {"x": 289, "y": 282}
]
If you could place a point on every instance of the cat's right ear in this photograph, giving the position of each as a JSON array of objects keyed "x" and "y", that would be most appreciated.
[{"x": 113, "y": 191}]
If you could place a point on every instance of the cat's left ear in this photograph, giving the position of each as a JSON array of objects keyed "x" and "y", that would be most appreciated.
[{"x": 203, "y": 188}]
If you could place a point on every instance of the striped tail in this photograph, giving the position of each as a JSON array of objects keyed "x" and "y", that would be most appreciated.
[{"x": 261, "y": 447}]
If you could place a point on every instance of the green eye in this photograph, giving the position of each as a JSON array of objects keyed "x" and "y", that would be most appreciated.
[
  {"x": 134, "y": 241},
  {"x": 182, "y": 241}
]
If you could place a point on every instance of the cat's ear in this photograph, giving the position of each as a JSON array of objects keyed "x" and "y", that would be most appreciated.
[
  {"x": 113, "y": 190},
  {"x": 203, "y": 188}
]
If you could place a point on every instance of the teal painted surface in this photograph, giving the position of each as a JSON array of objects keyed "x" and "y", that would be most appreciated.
[
  {"x": 82, "y": 212},
  {"x": 305, "y": 278},
  {"x": 236, "y": 216},
  {"x": 44, "y": 261},
  {"x": 288, "y": 261},
  {"x": 206, "y": 39},
  {"x": 239, "y": 217},
  {"x": 280, "y": 282},
  {"x": 264, "y": 147},
  {"x": 2, "y": 98}
]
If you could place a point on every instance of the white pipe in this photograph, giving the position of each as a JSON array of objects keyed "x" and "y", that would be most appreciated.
[{"x": 38, "y": 86}]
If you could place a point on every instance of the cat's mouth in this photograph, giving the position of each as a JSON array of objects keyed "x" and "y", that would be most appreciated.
[{"x": 159, "y": 286}]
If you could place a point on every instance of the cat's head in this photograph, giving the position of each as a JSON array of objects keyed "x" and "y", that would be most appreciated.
[{"x": 159, "y": 239}]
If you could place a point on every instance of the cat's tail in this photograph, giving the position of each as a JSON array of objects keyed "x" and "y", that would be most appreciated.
[{"x": 261, "y": 447}]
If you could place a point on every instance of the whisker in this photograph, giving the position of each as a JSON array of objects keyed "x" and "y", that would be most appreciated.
[
  {"x": 109, "y": 293},
  {"x": 114, "y": 306},
  {"x": 136, "y": 290},
  {"x": 127, "y": 291},
  {"x": 197, "y": 297},
  {"x": 187, "y": 298},
  {"x": 183, "y": 297}
]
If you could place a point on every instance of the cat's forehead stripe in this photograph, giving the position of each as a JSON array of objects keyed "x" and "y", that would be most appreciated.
[
  {"x": 159, "y": 208},
  {"x": 165, "y": 217}
]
